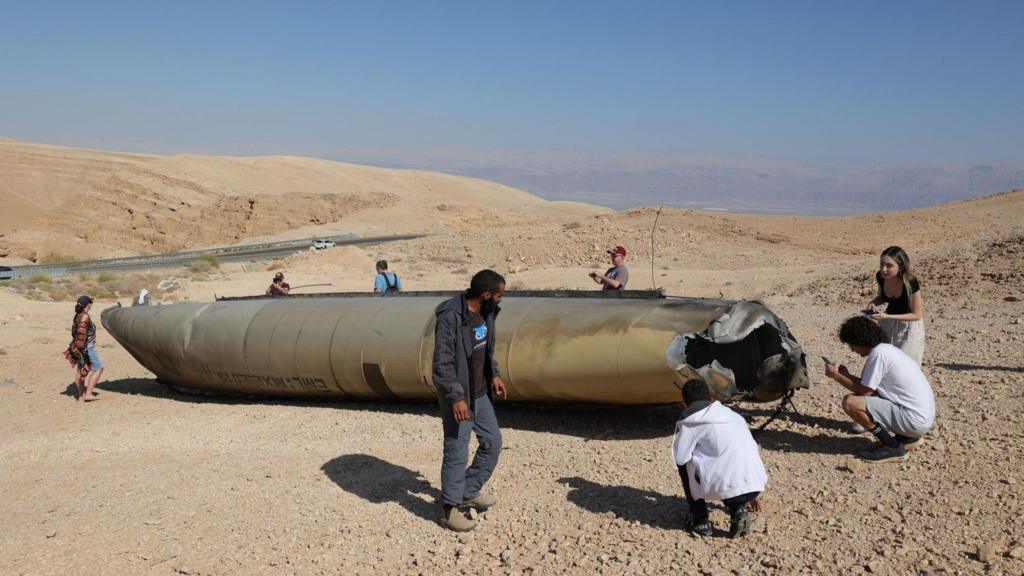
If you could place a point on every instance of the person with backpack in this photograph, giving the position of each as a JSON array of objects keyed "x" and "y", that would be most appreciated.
[{"x": 386, "y": 282}]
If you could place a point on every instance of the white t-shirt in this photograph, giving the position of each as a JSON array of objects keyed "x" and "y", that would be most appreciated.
[{"x": 897, "y": 377}]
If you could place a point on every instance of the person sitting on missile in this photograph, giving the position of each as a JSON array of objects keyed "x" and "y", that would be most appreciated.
[
  {"x": 278, "y": 287},
  {"x": 717, "y": 459},
  {"x": 892, "y": 399},
  {"x": 615, "y": 278}
]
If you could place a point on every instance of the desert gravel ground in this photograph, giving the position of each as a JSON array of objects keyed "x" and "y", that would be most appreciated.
[{"x": 152, "y": 481}]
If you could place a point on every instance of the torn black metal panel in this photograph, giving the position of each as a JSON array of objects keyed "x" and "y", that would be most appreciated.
[{"x": 746, "y": 352}]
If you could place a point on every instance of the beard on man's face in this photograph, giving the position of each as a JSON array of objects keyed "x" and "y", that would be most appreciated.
[{"x": 487, "y": 306}]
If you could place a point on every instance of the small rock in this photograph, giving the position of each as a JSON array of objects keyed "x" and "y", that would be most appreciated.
[
  {"x": 51, "y": 533},
  {"x": 987, "y": 552},
  {"x": 1017, "y": 552}
]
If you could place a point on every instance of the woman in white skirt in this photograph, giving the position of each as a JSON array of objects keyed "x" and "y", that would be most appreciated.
[{"x": 899, "y": 289}]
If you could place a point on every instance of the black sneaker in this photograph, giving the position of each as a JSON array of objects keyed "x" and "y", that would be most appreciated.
[
  {"x": 908, "y": 441},
  {"x": 883, "y": 453},
  {"x": 740, "y": 525},
  {"x": 698, "y": 526}
]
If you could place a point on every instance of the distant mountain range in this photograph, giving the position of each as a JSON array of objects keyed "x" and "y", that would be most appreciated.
[{"x": 717, "y": 182}]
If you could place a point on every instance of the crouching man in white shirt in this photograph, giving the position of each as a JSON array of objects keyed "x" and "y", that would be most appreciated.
[
  {"x": 718, "y": 460},
  {"x": 892, "y": 399}
]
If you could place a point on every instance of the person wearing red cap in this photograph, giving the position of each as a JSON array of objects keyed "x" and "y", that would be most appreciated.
[
  {"x": 615, "y": 278},
  {"x": 278, "y": 287}
]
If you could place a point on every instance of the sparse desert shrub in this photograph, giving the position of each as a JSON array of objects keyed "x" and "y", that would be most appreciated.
[
  {"x": 199, "y": 266},
  {"x": 55, "y": 258},
  {"x": 451, "y": 258},
  {"x": 275, "y": 264},
  {"x": 56, "y": 292},
  {"x": 211, "y": 260},
  {"x": 40, "y": 279},
  {"x": 103, "y": 286}
]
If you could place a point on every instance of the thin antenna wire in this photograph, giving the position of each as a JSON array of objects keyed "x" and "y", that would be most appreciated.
[{"x": 654, "y": 283}]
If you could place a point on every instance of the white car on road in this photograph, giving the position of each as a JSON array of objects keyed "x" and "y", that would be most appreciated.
[{"x": 322, "y": 243}]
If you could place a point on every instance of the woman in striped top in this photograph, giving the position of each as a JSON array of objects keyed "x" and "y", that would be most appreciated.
[{"x": 82, "y": 351}]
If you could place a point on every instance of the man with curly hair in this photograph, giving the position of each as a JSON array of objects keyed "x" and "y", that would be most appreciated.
[{"x": 891, "y": 399}]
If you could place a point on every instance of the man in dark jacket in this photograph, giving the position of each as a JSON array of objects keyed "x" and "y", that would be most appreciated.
[{"x": 466, "y": 375}]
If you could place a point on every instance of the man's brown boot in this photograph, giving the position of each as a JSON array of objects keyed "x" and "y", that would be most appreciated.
[
  {"x": 455, "y": 520},
  {"x": 482, "y": 502}
]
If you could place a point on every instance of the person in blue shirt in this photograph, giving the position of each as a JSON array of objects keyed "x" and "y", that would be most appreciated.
[{"x": 386, "y": 282}]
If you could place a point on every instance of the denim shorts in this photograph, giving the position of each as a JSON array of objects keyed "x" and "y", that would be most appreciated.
[{"x": 94, "y": 357}]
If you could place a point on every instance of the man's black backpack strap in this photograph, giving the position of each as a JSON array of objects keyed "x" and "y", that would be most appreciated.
[{"x": 389, "y": 287}]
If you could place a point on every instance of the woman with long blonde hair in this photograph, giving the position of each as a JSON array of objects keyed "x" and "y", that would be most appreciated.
[{"x": 898, "y": 288}]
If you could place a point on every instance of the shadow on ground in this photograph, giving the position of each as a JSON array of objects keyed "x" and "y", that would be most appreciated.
[
  {"x": 588, "y": 421},
  {"x": 958, "y": 367},
  {"x": 798, "y": 442},
  {"x": 597, "y": 422},
  {"x": 804, "y": 433},
  {"x": 73, "y": 392},
  {"x": 628, "y": 503},
  {"x": 379, "y": 481},
  {"x": 756, "y": 415}
]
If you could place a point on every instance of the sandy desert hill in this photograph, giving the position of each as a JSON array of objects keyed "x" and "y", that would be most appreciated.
[
  {"x": 82, "y": 203},
  {"x": 150, "y": 480}
]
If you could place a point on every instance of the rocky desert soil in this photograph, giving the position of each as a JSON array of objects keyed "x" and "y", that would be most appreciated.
[{"x": 152, "y": 481}]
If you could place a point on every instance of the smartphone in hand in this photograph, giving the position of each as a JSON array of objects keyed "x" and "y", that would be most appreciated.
[{"x": 828, "y": 360}]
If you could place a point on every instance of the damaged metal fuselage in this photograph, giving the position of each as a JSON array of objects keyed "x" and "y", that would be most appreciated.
[{"x": 628, "y": 348}]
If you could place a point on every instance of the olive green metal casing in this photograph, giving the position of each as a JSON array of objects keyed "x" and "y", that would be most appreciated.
[{"x": 618, "y": 351}]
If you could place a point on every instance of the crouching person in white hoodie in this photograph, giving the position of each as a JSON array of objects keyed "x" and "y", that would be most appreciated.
[{"x": 718, "y": 460}]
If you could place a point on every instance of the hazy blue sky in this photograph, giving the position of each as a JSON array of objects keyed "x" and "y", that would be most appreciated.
[{"x": 849, "y": 81}]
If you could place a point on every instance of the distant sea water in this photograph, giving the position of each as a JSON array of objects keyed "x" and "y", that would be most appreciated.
[{"x": 732, "y": 184}]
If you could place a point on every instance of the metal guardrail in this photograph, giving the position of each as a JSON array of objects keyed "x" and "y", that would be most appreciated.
[{"x": 226, "y": 254}]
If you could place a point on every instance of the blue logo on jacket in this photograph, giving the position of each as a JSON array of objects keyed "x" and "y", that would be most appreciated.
[{"x": 480, "y": 332}]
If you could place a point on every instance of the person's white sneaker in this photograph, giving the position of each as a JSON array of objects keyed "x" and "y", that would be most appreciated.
[{"x": 857, "y": 429}]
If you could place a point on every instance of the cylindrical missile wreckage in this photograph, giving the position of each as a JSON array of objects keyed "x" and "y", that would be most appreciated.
[{"x": 626, "y": 348}]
